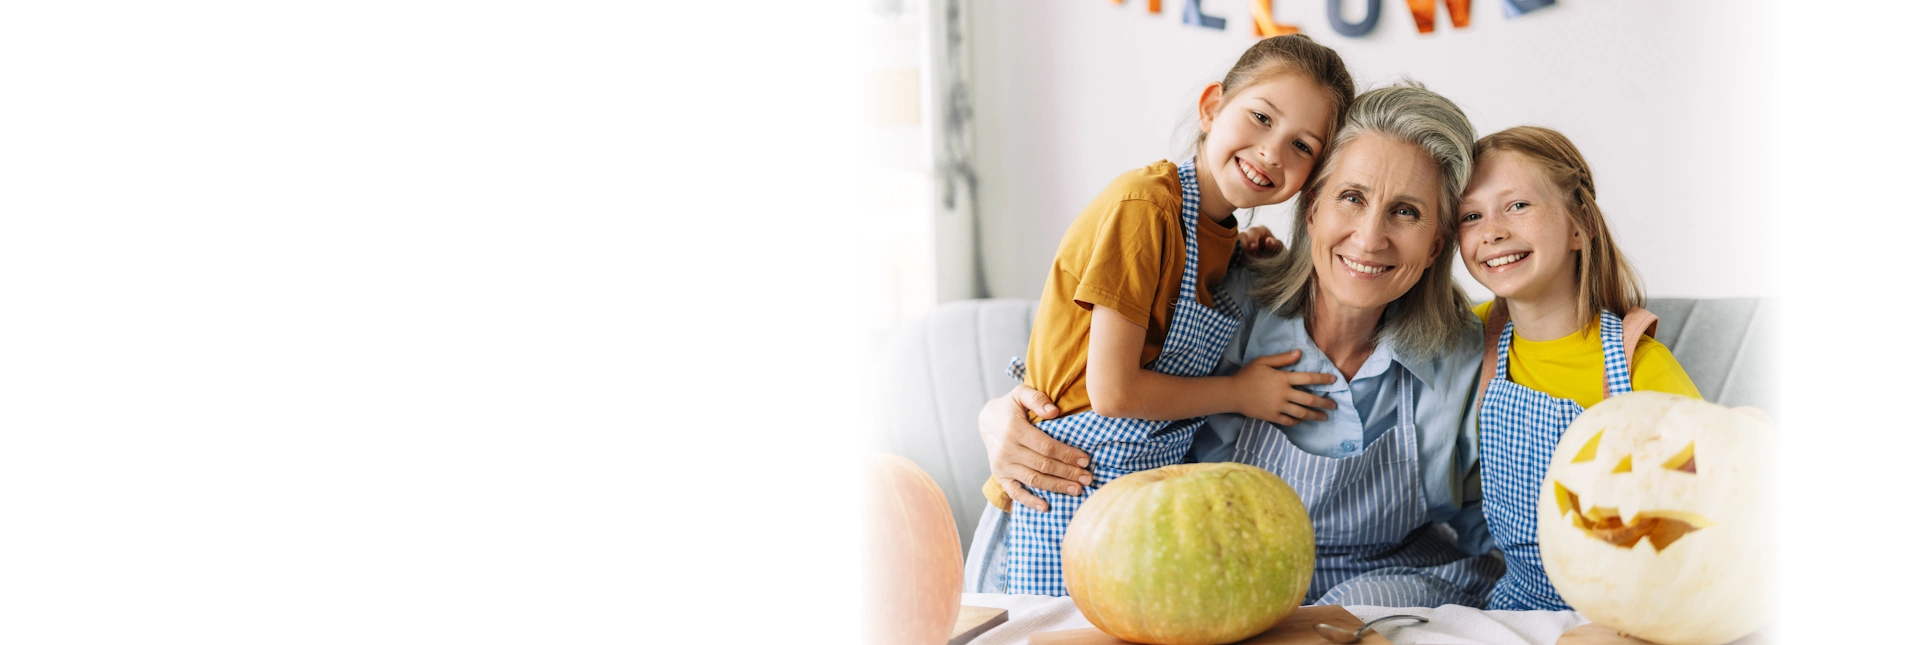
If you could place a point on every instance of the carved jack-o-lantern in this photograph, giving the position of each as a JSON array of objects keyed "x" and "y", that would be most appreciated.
[{"x": 1653, "y": 519}]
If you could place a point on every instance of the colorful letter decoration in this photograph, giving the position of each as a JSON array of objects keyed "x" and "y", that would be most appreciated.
[
  {"x": 1517, "y": 8},
  {"x": 1458, "y": 10},
  {"x": 1153, "y": 6},
  {"x": 1264, "y": 25},
  {"x": 1354, "y": 30},
  {"x": 1192, "y": 16}
]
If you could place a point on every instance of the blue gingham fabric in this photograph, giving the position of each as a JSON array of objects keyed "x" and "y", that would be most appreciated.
[
  {"x": 1373, "y": 542},
  {"x": 1519, "y": 429},
  {"x": 1196, "y": 338}
]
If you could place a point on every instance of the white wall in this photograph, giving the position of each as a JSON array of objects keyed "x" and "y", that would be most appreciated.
[{"x": 1664, "y": 99}]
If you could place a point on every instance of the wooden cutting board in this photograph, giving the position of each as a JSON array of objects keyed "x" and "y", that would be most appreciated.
[
  {"x": 1591, "y": 634},
  {"x": 975, "y": 621},
  {"x": 1297, "y": 629}
]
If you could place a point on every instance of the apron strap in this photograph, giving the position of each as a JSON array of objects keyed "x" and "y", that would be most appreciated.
[
  {"x": 1190, "y": 226},
  {"x": 1638, "y": 321},
  {"x": 1490, "y": 361},
  {"x": 1406, "y": 424}
]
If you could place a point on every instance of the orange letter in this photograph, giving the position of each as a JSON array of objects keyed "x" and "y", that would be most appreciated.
[
  {"x": 1153, "y": 6},
  {"x": 1458, "y": 10},
  {"x": 1263, "y": 23}
]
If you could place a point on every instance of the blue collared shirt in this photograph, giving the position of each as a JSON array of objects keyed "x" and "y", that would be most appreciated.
[{"x": 1366, "y": 407}]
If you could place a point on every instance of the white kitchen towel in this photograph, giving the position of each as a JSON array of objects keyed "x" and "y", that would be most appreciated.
[
  {"x": 1448, "y": 624},
  {"x": 1458, "y": 625},
  {"x": 1026, "y": 616}
]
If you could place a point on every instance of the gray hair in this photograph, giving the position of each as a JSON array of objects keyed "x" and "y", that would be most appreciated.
[{"x": 1431, "y": 317}]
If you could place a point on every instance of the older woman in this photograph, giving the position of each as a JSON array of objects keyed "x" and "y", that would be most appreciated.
[{"x": 1366, "y": 294}]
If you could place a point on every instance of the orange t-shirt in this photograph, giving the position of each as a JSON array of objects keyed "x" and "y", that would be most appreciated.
[{"x": 1125, "y": 252}]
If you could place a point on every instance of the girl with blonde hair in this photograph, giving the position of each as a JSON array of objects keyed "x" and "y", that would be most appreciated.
[{"x": 1564, "y": 331}]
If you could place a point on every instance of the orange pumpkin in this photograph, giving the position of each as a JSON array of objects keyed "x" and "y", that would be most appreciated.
[{"x": 915, "y": 565}]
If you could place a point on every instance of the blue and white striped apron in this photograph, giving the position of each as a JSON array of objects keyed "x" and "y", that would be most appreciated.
[
  {"x": 1519, "y": 429},
  {"x": 1373, "y": 542},
  {"x": 1196, "y": 338}
]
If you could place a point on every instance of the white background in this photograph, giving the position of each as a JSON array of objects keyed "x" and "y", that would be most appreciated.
[
  {"x": 440, "y": 322},
  {"x": 423, "y": 322},
  {"x": 1665, "y": 99}
]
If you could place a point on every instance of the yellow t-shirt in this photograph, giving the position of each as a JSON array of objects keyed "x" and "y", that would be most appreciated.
[
  {"x": 1126, "y": 251},
  {"x": 1572, "y": 367}
]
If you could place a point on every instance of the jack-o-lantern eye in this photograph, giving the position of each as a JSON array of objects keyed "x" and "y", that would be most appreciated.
[
  {"x": 1592, "y": 446},
  {"x": 1683, "y": 461}
]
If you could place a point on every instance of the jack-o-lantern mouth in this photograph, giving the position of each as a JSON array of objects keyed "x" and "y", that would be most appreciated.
[{"x": 1660, "y": 528}]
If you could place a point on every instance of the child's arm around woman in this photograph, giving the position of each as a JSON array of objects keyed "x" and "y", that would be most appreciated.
[{"x": 1120, "y": 387}]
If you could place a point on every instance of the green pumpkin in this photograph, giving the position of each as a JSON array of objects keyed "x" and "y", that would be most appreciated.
[{"x": 1190, "y": 554}]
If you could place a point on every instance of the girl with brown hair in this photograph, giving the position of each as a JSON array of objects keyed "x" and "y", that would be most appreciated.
[{"x": 1129, "y": 327}]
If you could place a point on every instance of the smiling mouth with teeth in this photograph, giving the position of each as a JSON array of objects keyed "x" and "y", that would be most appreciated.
[
  {"x": 1254, "y": 175},
  {"x": 1507, "y": 259},
  {"x": 1356, "y": 266}
]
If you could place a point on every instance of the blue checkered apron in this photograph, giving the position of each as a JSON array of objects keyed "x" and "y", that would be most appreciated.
[
  {"x": 1196, "y": 337},
  {"x": 1373, "y": 542},
  {"x": 1519, "y": 429}
]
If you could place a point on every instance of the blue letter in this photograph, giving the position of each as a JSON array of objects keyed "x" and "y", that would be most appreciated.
[
  {"x": 1353, "y": 30},
  {"x": 1192, "y": 16},
  {"x": 1517, "y": 7}
]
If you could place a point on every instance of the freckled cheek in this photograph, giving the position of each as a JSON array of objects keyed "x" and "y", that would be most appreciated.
[{"x": 1467, "y": 253}]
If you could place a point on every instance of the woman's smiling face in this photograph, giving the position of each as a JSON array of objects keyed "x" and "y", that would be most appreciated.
[
  {"x": 1515, "y": 237},
  {"x": 1375, "y": 223},
  {"x": 1261, "y": 145}
]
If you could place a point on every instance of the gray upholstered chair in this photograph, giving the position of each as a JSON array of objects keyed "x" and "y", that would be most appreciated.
[{"x": 941, "y": 369}]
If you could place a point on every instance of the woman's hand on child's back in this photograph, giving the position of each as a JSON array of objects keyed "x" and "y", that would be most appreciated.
[
  {"x": 1258, "y": 242},
  {"x": 1266, "y": 391},
  {"x": 1021, "y": 455}
]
